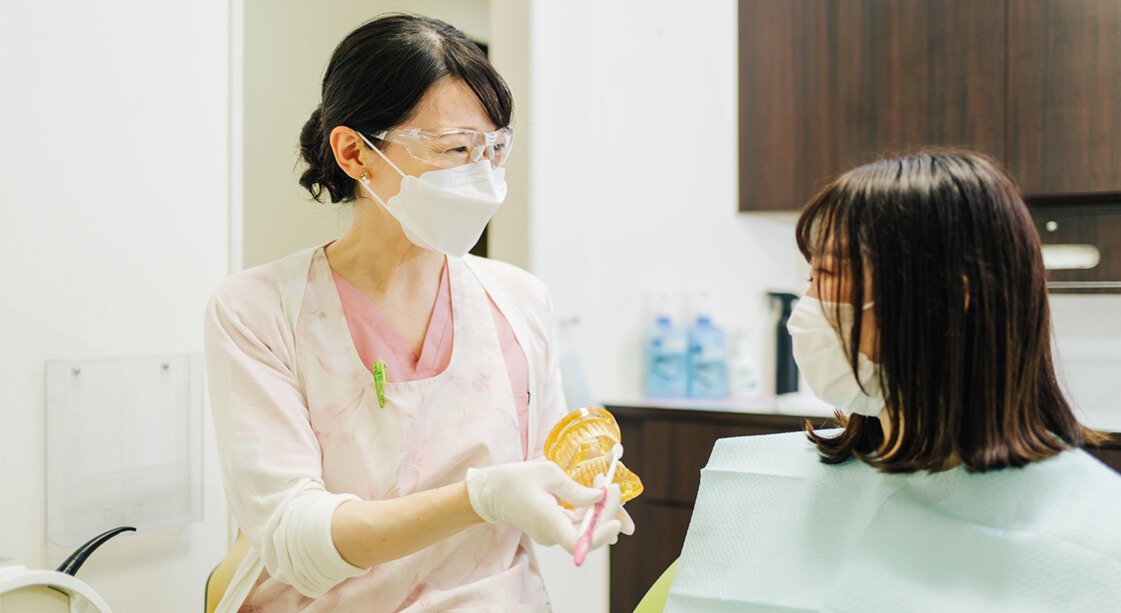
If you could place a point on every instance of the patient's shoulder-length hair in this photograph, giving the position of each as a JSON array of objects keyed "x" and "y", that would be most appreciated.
[{"x": 960, "y": 305}]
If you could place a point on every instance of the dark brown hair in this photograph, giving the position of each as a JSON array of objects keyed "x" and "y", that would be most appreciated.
[
  {"x": 376, "y": 78},
  {"x": 960, "y": 305}
]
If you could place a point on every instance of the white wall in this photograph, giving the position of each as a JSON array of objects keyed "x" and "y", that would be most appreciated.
[
  {"x": 512, "y": 54},
  {"x": 627, "y": 154},
  {"x": 1088, "y": 347},
  {"x": 634, "y": 182},
  {"x": 113, "y": 233}
]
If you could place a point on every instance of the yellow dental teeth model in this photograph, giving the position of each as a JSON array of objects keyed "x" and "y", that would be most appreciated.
[{"x": 579, "y": 444}]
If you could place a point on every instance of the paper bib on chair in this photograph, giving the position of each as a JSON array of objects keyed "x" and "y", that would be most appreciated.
[{"x": 774, "y": 529}]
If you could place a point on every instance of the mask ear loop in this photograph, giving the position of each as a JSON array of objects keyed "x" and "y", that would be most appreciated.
[
  {"x": 382, "y": 155},
  {"x": 365, "y": 180}
]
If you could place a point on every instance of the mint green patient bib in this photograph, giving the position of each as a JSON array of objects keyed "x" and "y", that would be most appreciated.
[{"x": 774, "y": 529}]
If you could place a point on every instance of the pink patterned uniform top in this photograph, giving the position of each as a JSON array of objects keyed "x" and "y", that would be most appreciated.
[{"x": 300, "y": 431}]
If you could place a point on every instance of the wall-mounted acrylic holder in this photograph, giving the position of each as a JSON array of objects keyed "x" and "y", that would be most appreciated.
[{"x": 124, "y": 445}]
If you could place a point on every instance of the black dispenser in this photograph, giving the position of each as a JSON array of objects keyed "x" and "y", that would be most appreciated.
[{"x": 786, "y": 371}]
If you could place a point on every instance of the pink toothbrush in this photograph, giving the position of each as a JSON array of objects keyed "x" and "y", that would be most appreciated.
[{"x": 585, "y": 540}]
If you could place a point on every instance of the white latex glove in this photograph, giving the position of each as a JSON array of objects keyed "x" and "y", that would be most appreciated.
[
  {"x": 626, "y": 521},
  {"x": 525, "y": 494},
  {"x": 624, "y": 517}
]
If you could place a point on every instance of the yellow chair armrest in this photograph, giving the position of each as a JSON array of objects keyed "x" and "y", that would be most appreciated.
[
  {"x": 655, "y": 599},
  {"x": 219, "y": 578}
]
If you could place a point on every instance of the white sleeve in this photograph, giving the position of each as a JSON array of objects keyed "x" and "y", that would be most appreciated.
[{"x": 271, "y": 460}]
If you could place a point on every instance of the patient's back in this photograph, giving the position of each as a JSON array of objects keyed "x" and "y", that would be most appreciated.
[{"x": 774, "y": 529}]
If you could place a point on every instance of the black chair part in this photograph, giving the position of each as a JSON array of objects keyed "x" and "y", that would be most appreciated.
[{"x": 71, "y": 564}]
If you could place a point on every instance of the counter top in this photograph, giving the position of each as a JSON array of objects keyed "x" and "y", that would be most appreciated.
[
  {"x": 807, "y": 405},
  {"x": 793, "y": 404}
]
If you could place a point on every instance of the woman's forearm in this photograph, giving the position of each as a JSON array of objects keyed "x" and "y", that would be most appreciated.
[{"x": 368, "y": 533}]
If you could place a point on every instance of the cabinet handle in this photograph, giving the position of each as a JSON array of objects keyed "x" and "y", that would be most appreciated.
[{"x": 1071, "y": 257}]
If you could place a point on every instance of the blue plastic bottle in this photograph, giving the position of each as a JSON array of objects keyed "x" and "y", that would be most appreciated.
[
  {"x": 708, "y": 364},
  {"x": 665, "y": 347}
]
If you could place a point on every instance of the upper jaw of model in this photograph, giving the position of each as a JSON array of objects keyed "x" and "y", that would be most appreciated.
[{"x": 579, "y": 444}]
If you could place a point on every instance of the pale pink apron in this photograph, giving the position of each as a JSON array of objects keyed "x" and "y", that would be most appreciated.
[{"x": 427, "y": 435}]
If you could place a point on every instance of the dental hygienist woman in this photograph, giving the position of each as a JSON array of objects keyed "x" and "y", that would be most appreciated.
[{"x": 381, "y": 401}]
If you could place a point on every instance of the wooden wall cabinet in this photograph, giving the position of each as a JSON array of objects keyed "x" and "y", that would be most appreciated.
[
  {"x": 1064, "y": 96},
  {"x": 826, "y": 85},
  {"x": 667, "y": 449}
]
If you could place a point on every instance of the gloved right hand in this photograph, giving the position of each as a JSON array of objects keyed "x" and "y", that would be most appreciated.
[{"x": 525, "y": 494}]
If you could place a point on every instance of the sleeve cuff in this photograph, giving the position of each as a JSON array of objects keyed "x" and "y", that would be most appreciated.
[{"x": 320, "y": 567}]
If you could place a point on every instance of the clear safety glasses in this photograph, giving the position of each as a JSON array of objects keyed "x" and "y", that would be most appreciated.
[{"x": 452, "y": 148}]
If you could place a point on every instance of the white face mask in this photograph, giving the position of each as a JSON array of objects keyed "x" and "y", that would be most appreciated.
[
  {"x": 445, "y": 210},
  {"x": 821, "y": 357}
]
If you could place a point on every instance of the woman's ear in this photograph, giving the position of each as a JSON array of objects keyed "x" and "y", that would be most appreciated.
[{"x": 351, "y": 153}]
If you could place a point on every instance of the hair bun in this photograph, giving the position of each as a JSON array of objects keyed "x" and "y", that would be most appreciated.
[{"x": 313, "y": 146}]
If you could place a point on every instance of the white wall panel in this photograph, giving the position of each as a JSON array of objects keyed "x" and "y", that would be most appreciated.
[{"x": 113, "y": 233}]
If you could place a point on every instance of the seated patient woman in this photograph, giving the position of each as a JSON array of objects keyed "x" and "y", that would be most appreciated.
[{"x": 955, "y": 482}]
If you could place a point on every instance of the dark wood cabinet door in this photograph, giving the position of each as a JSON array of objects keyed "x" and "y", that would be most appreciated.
[
  {"x": 1109, "y": 452},
  {"x": 827, "y": 85},
  {"x": 637, "y": 562},
  {"x": 1109, "y": 457},
  {"x": 1064, "y": 95}
]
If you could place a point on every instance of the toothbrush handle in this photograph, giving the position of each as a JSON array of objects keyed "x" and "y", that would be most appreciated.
[{"x": 585, "y": 540}]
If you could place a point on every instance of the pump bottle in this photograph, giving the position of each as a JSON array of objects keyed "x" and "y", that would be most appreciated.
[
  {"x": 708, "y": 365},
  {"x": 665, "y": 348}
]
